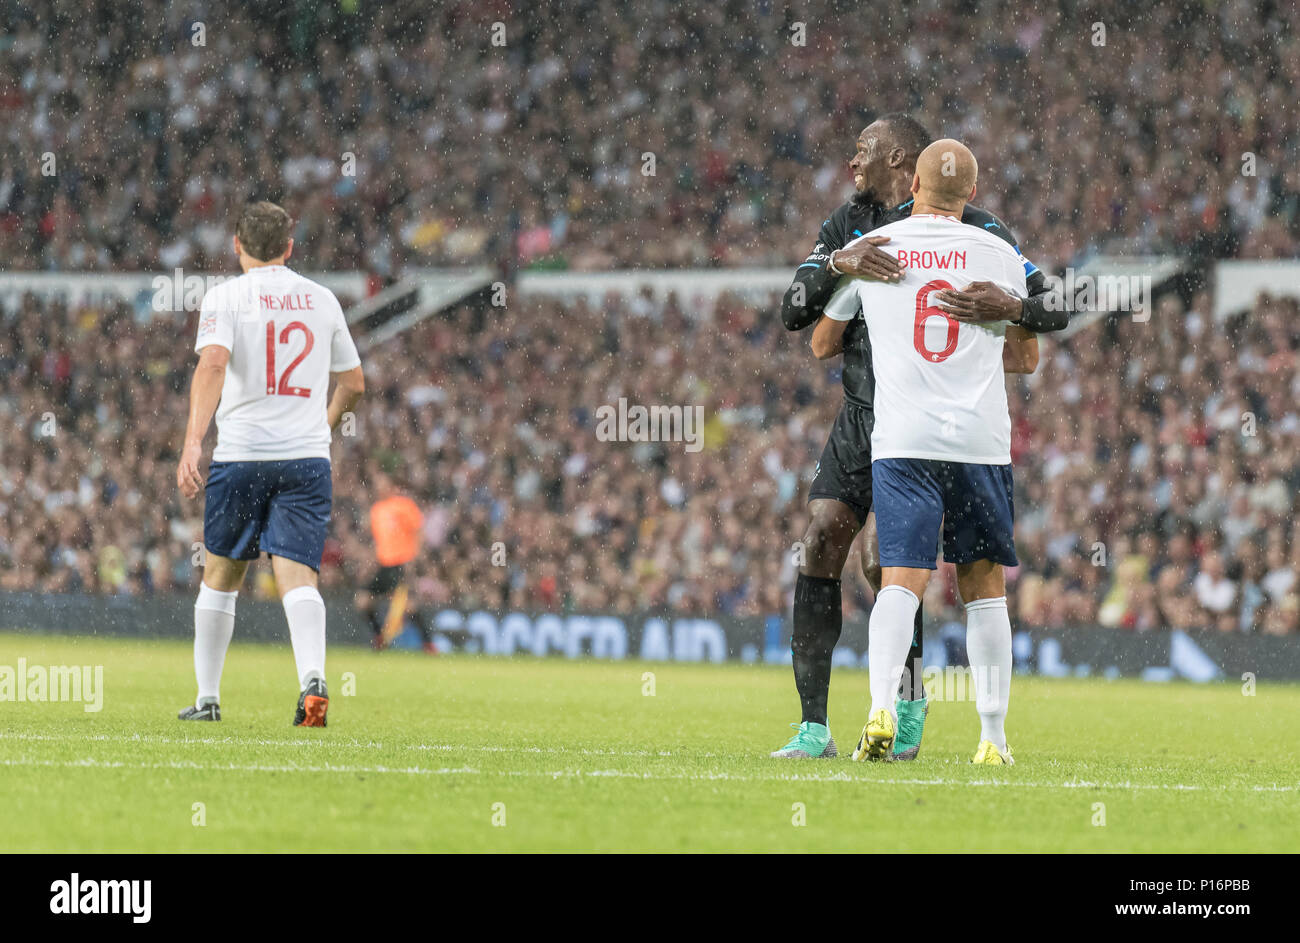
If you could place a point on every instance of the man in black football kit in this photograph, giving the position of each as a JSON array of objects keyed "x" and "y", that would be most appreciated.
[{"x": 839, "y": 500}]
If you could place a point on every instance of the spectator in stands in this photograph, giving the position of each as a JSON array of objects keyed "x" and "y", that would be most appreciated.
[
  {"x": 492, "y": 424},
  {"x": 395, "y": 131},
  {"x": 1214, "y": 591}
]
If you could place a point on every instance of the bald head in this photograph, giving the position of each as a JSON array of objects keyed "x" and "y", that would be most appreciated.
[{"x": 945, "y": 175}]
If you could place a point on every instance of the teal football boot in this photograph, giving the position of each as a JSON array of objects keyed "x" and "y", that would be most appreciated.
[
  {"x": 811, "y": 741},
  {"x": 911, "y": 723}
]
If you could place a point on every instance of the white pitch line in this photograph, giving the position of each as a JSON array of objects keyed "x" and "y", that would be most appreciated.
[
  {"x": 328, "y": 743},
  {"x": 92, "y": 763},
  {"x": 703, "y": 776}
]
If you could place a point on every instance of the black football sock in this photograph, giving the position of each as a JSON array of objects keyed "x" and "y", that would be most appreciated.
[
  {"x": 422, "y": 624},
  {"x": 818, "y": 619},
  {"x": 372, "y": 616},
  {"x": 912, "y": 687}
]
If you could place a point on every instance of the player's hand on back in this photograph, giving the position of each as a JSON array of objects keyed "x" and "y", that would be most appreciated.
[
  {"x": 978, "y": 302},
  {"x": 862, "y": 259},
  {"x": 188, "y": 478}
]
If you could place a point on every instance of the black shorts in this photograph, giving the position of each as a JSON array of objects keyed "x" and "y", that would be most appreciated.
[
  {"x": 844, "y": 471},
  {"x": 386, "y": 580}
]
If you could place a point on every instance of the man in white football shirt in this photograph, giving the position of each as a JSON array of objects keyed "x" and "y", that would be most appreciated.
[
  {"x": 941, "y": 445},
  {"x": 269, "y": 342}
]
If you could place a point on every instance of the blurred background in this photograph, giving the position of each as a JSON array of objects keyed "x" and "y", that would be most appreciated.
[{"x": 532, "y": 213}]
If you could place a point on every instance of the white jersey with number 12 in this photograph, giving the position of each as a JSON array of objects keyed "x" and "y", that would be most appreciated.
[
  {"x": 286, "y": 334},
  {"x": 940, "y": 392}
]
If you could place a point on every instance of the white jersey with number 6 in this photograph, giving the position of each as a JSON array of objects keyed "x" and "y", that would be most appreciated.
[
  {"x": 940, "y": 392},
  {"x": 286, "y": 334}
]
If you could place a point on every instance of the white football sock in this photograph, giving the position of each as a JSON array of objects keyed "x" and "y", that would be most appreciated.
[
  {"x": 305, "y": 611},
  {"x": 889, "y": 639},
  {"x": 988, "y": 648},
  {"x": 214, "y": 624}
]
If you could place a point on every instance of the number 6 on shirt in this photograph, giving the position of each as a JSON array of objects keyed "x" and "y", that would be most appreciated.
[{"x": 925, "y": 311}]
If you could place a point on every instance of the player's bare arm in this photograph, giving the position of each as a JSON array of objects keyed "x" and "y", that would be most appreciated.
[
  {"x": 828, "y": 338},
  {"x": 980, "y": 302},
  {"x": 1042, "y": 311},
  {"x": 864, "y": 259},
  {"x": 349, "y": 385},
  {"x": 1020, "y": 352},
  {"x": 205, "y": 393}
]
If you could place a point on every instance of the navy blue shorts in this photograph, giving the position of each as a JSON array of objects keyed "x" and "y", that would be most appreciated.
[
  {"x": 914, "y": 496},
  {"x": 276, "y": 507}
]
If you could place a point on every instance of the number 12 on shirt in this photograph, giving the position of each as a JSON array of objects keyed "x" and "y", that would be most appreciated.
[{"x": 284, "y": 388}]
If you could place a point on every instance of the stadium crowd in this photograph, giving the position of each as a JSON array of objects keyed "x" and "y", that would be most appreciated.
[
  {"x": 578, "y": 134},
  {"x": 1157, "y": 468}
]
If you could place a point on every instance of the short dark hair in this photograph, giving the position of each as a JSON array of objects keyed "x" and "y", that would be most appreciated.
[
  {"x": 907, "y": 132},
  {"x": 263, "y": 230}
]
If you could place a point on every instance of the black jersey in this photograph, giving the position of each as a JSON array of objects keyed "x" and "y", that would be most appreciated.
[{"x": 814, "y": 283}]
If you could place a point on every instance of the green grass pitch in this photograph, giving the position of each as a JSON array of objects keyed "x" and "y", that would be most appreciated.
[{"x": 486, "y": 754}]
